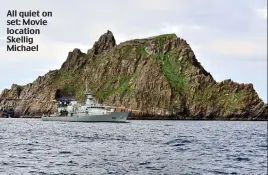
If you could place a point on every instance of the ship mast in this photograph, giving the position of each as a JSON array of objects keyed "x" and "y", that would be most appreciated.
[
  {"x": 89, "y": 100},
  {"x": 86, "y": 86}
]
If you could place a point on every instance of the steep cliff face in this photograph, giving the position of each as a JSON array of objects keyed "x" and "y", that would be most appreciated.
[{"x": 158, "y": 76}]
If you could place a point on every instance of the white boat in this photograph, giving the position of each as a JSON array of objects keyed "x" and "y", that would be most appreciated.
[{"x": 72, "y": 111}]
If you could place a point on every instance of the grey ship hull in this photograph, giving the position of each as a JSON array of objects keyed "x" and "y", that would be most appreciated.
[{"x": 82, "y": 117}]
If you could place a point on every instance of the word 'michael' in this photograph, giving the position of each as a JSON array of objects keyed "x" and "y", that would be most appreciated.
[{"x": 15, "y": 47}]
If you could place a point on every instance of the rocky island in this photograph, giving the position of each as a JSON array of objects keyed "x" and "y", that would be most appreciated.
[{"x": 158, "y": 77}]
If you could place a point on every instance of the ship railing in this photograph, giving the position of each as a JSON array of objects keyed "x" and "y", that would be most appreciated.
[{"x": 124, "y": 108}]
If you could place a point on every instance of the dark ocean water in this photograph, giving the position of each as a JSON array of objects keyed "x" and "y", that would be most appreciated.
[{"x": 32, "y": 146}]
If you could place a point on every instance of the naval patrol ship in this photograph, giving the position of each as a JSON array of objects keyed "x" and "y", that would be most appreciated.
[{"x": 72, "y": 111}]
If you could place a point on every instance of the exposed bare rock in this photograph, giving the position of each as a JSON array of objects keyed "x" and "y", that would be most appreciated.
[
  {"x": 158, "y": 76},
  {"x": 105, "y": 42}
]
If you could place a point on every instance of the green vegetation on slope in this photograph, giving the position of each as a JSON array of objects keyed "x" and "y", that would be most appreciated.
[
  {"x": 68, "y": 90},
  {"x": 234, "y": 101},
  {"x": 170, "y": 70},
  {"x": 116, "y": 85},
  {"x": 161, "y": 39},
  {"x": 141, "y": 51},
  {"x": 127, "y": 51},
  {"x": 63, "y": 77}
]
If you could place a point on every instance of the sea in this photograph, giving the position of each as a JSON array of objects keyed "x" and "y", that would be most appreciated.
[{"x": 139, "y": 147}]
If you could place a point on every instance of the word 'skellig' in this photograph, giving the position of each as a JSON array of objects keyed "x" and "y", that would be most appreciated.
[{"x": 21, "y": 39}]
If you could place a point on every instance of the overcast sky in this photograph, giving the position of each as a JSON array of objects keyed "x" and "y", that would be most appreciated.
[{"x": 229, "y": 37}]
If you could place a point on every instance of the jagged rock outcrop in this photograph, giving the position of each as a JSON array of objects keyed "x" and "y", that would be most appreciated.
[
  {"x": 105, "y": 42},
  {"x": 159, "y": 77}
]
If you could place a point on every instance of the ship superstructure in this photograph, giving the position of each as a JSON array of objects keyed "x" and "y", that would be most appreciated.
[{"x": 90, "y": 111}]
